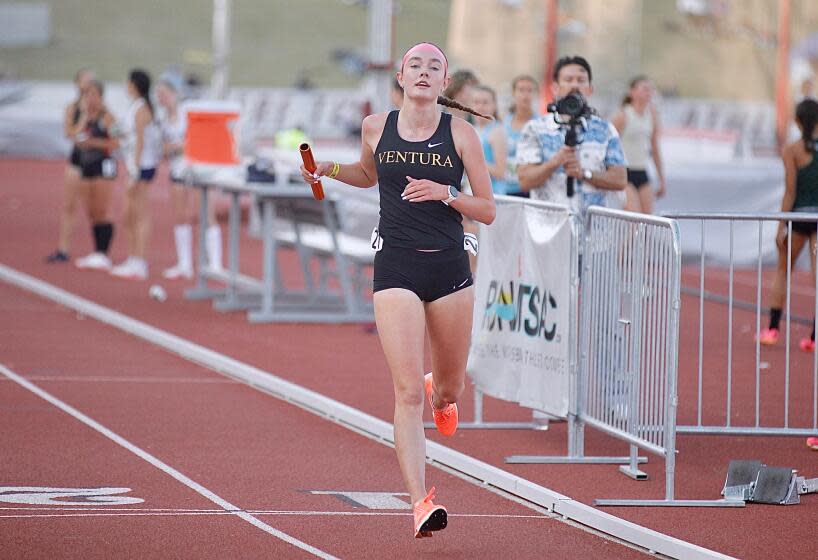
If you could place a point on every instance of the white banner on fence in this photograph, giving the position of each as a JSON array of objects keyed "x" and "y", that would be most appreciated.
[{"x": 520, "y": 339}]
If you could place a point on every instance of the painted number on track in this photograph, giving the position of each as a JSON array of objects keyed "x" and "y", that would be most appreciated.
[{"x": 43, "y": 496}]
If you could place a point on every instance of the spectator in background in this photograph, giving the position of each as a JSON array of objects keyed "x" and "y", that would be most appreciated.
[
  {"x": 800, "y": 195},
  {"x": 523, "y": 94},
  {"x": 173, "y": 125},
  {"x": 638, "y": 126},
  {"x": 460, "y": 89},
  {"x": 807, "y": 90},
  {"x": 544, "y": 162},
  {"x": 94, "y": 145},
  {"x": 73, "y": 122},
  {"x": 142, "y": 155},
  {"x": 396, "y": 94},
  {"x": 492, "y": 136}
]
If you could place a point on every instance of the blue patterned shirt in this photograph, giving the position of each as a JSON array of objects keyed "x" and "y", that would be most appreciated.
[{"x": 601, "y": 149}]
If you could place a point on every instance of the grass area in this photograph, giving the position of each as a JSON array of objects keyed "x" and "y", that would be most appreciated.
[{"x": 273, "y": 41}]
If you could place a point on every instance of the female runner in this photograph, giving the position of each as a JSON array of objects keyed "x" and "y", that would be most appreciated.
[
  {"x": 422, "y": 281},
  {"x": 95, "y": 143},
  {"x": 72, "y": 125},
  {"x": 638, "y": 126},
  {"x": 173, "y": 124},
  {"x": 142, "y": 156}
]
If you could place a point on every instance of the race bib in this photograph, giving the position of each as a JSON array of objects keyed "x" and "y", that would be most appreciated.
[
  {"x": 376, "y": 240},
  {"x": 109, "y": 168},
  {"x": 470, "y": 243}
]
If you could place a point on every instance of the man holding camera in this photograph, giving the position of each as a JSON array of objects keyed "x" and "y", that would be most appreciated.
[{"x": 546, "y": 159}]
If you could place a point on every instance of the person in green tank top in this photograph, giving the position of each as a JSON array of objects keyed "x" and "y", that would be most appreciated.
[{"x": 800, "y": 195}]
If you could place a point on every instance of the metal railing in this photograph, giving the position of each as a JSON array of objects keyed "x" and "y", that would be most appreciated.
[
  {"x": 629, "y": 333},
  {"x": 758, "y": 403}
]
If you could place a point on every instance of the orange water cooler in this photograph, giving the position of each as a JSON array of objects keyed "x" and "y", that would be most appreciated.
[{"x": 212, "y": 129}]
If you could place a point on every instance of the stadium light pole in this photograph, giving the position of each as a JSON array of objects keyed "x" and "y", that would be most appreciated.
[
  {"x": 380, "y": 64},
  {"x": 220, "y": 49},
  {"x": 551, "y": 30},
  {"x": 782, "y": 74}
]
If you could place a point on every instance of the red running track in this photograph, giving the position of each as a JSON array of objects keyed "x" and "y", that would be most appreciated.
[
  {"x": 348, "y": 365},
  {"x": 256, "y": 452}
]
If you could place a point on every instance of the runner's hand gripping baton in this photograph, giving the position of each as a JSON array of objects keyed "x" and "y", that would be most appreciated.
[{"x": 309, "y": 165}]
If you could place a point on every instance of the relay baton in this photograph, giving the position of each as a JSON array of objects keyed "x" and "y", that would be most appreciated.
[{"x": 309, "y": 165}]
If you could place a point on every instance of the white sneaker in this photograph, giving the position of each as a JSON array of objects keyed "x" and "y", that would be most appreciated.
[
  {"x": 131, "y": 268},
  {"x": 216, "y": 271},
  {"x": 178, "y": 271},
  {"x": 94, "y": 261}
]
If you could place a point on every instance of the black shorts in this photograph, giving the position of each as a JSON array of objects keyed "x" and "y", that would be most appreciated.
[
  {"x": 805, "y": 228},
  {"x": 74, "y": 157},
  {"x": 147, "y": 174},
  {"x": 429, "y": 275},
  {"x": 638, "y": 178},
  {"x": 106, "y": 168}
]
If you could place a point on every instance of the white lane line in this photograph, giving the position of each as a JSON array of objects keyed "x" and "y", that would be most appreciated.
[
  {"x": 164, "y": 467},
  {"x": 182, "y": 513},
  {"x": 111, "y": 379}
]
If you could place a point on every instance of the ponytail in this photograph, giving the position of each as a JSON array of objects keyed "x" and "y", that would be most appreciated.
[
  {"x": 451, "y": 103},
  {"x": 142, "y": 82},
  {"x": 806, "y": 113}
]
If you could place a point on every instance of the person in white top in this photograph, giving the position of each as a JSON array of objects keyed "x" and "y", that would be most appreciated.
[
  {"x": 638, "y": 126},
  {"x": 173, "y": 124},
  {"x": 143, "y": 150}
]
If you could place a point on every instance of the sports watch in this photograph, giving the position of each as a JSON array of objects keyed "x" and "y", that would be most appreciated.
[
  {"x": 587, "y": 174},
  {"x": 453, "y": 192}
]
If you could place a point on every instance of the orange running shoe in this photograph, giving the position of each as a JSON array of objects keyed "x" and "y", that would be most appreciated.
[
  {"x": 768, "y": 337},
  {"x": 428, "y": 516},
  {"x": 812, "y": 443},
  {"x": 807, "y": 345},
  {"x": 445, "y": 419}
]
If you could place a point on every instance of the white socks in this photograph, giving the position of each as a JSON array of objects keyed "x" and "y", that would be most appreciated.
[
  {"x": 183, "y": 236},
  {"x": 213, "y": 242}
]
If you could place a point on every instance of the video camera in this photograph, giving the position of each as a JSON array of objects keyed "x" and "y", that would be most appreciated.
[{"x": 577, "y": 110}]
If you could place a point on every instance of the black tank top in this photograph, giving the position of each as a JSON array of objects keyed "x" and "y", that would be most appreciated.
[
  {"x": 418, "y": 225},
  {"x": 95, "y": 129},
  {"x": 806, "y": 184}
]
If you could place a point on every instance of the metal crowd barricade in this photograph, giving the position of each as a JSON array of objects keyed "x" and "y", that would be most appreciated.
[
  {"x": 747, "y": 408},
  {"x": 629, "y": 325}
]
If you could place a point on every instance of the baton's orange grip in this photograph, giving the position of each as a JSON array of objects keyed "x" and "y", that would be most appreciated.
[{"x": 309, "y": 165}]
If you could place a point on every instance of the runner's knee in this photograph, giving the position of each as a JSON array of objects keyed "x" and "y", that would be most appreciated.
[{"x": 409, "y": 397}]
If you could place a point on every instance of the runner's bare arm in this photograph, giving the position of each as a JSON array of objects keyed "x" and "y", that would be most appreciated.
[
  {"x": 656, "y": 153},
  {"x": 70, "y": 128},
  {"x": 362, "y": 173},
  {"x": 477, "y": 206},
  {"x": 499, "y": 146}
]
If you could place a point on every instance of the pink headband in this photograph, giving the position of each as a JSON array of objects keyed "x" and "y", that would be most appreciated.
[{"x": 431, "y": 46}]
